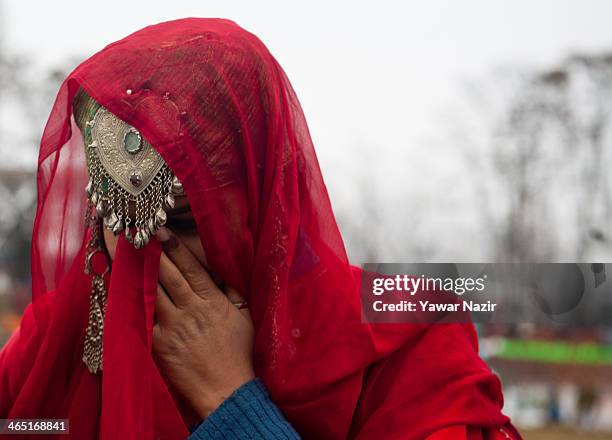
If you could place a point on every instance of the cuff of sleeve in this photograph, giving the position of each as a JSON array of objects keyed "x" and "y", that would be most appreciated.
[{"x": 247, "y": 414}]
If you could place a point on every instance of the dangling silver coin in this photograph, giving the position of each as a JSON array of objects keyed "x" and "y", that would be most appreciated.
[
  {"x": 118, "y": 227},
  {"x": 144, "y": 234},
  {"x": 128, "y": 235},
  {"x": 177, "y": 186},
  {"x": 101, "y": 208},
  {"x": 89, "y": 189},
  {"x": 137, "y": 240},
  {"x": 170, "y": 201},
  {"x": 151, "y": 226},
  {"x": 110, "y": 220},
  {"x": 160, "y": 217}
]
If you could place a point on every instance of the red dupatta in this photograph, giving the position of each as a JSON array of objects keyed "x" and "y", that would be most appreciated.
[{"x": 219, "y": 109}]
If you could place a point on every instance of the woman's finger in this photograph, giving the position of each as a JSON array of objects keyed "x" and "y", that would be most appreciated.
[
  {"x": 197, "y": 277},
  {"x": 164, "y": 307},
  {"x": 238, "y": 301},
  {"x": 174, "y": 283}
]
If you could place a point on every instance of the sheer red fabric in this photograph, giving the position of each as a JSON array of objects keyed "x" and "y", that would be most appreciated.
[{"x": 219, "y": 109}]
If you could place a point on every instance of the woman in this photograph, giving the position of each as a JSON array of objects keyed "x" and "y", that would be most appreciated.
[{"x": 193, "y": 124}]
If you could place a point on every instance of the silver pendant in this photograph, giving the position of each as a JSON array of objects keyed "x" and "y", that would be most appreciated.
[
  {"x": 170, "y": 201},
  {"x": 125, "y": 172},
  {"x": 124, "y": 154}
]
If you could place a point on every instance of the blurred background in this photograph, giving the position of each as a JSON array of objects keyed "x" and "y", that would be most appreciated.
[{"x": 447, "y": 131}]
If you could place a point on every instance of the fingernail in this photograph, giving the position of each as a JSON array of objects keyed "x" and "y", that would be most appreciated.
[
  {"x": 167, "y": 239},
  {"x": 163, "y": 234}
]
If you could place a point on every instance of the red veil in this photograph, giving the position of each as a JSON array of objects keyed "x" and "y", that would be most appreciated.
[{"x": 219, "y": 109}]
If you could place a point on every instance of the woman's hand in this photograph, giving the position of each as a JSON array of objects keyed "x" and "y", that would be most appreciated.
[{"x": 203, "y": 341}]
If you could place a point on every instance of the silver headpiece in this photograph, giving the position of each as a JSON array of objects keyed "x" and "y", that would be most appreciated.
[
  {"x": 124, "y": 171},
  {"x": 130, "y": 186}
]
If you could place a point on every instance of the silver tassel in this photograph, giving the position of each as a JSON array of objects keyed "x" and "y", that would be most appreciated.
[
  {"x": 138, "y": 243},
  {"x": 92, "y": 351}
]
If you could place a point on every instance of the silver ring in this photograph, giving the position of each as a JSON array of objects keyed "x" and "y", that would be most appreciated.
[{"x": 241, "y": 305}]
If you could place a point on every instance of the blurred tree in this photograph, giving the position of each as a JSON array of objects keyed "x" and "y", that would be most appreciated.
[
  {"x": 378, "y": 222},
  {"x": 537, "y": 153},
  {"x": 27, "y": 91}
]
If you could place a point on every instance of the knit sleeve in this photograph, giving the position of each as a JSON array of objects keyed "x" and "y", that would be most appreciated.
[{"x": 249, "y": 413}]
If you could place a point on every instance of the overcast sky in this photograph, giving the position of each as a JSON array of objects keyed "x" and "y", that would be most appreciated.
[
  {"x": 374, "y": 71},
  {"x": 374, "y": 75}
]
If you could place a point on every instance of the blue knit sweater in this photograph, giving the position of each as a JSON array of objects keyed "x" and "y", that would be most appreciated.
[{"x": 247, "y": 414}]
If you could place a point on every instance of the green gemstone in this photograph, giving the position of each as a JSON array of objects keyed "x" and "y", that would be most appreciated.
[
  {"x": 87, "y": 133},
  {"x": 132, "y": 142},
  {"x": 104, "y": 185}
]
